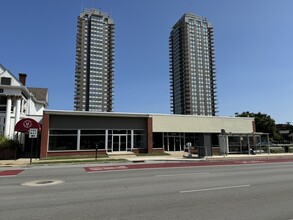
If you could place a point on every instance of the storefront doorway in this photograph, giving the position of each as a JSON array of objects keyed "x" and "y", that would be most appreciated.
[
  {"x": 174, "y": 142},
  {"x": 119, "y": 142}
]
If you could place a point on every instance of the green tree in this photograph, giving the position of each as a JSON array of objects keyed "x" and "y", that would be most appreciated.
[{"x": 263, "y": 123}]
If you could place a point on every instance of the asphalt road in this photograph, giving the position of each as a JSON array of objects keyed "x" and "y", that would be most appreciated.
[{"x": 248, "y": 191}]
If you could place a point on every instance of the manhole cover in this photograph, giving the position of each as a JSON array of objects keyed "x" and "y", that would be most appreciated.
[
  {"x": 42, "y": 183},
  {"x": 45, "y": 182}
]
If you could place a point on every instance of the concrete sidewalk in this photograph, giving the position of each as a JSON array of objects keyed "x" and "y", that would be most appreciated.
[{"x": 173, "y": 156}]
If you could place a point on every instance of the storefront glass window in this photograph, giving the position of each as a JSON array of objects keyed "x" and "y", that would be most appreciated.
[
  {"x": 63, "y": 140},
  {"x": 90, "y": 139},
  {"x": 139, "y": 141},
  {"x": 157, "y": 140}
]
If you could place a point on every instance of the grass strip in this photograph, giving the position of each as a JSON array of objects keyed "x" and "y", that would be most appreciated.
[
  {"x": 81, "y": 161},
  {"x": 74, "y": 157}
]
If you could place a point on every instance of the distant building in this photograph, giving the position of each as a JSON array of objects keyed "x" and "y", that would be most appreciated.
[
  {"x": 285, "y": 131},
  {"x": 94, "y": 73},
  {"x": 192, "y": 67},
  {"x": 18, "y": 101}
]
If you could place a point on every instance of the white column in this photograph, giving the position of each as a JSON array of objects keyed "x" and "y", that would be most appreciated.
[
  {"x": 106, "y": 141},
  {"x": 7, "y": 117},
  {"x": 21, "y": 106},
  {"x": 78, "y": 139},
  {"x": 17, "y": 110},
  {"x": 132, "y": 140}
]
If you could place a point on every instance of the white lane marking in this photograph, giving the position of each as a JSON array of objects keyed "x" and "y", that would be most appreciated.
[
  {"x": 182, "y": 174},
  {"x": 217, "y": 188}
]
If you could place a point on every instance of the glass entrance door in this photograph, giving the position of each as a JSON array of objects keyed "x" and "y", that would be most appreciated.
[
  {"x": 171, "y": 144},
  {"x": 177, "y": 143},
  {"x": 174, "y": 142},
  {"x": 123, "y": 143},
  {"x": 119, "y": 142},
  {"x": 115, "y": 142}
]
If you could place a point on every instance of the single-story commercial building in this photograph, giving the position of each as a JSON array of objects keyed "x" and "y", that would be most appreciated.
[{"x": 80, "y": 133}]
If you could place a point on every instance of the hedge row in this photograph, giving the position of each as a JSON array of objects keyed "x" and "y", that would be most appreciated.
[
  {"x": 276, "y": 150},
  {"x": 6, "y": 143}
]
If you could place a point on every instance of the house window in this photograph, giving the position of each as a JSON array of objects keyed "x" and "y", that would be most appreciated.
[{"x": 5, "y": 81}]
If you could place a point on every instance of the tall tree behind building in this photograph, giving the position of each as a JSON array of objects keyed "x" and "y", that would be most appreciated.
[{"x": 263, "y": 123}]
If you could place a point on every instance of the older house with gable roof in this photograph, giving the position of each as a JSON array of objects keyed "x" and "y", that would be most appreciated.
[{"x": 18, "y": 101}]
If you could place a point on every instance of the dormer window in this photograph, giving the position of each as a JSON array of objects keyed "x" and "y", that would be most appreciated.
[{"x": 5, "y": 81}]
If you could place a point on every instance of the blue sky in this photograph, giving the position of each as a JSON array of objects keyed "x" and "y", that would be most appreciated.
[{"x": 253, "y": 44}]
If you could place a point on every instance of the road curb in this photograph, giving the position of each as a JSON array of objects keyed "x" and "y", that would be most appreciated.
[{"x": 24, "y": 162}]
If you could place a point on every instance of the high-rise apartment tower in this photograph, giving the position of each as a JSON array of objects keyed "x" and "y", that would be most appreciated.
[
  {"x": 192, "y": 67},
  {"x": 94, "y": 74}
]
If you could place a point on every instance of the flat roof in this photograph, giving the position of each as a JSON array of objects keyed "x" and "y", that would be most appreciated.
[
  {"x": 89, "y": 113},
  {"x": 131, "y": 114}
]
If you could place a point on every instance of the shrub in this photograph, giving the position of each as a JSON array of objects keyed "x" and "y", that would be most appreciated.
[
  {"x": 6, "y": 143},
  {"x": 9, "y": 149},
  {"x": 276, "y": 150}
]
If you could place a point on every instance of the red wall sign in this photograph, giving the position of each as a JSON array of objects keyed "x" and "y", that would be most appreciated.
[{"x": 24, "y": 125}]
